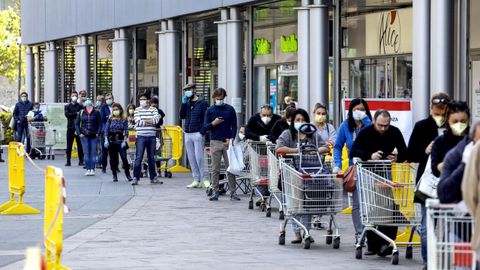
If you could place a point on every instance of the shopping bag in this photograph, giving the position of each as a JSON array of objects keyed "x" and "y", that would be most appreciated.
[
  {"x": 235, "y": 159},
  {"x": 349, "y": 179},
  {"x": 427, "y": 185}
]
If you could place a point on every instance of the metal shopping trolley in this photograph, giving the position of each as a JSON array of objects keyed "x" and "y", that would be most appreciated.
[
  {"x": 312, "y": 194},
  {"x": 449, "y": 231},
  {"x": 259, "y": 172},
  {"x": 386, "y": 193},
  {"x": 42, "y": 140},
  {"x": 164, "y": 153},
  {"x": 273, "y": 183}
]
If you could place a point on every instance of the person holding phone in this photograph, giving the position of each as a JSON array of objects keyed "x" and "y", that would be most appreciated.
[
  {"x": 380, "y": 141},
  {"x": 221, "y": 122}
]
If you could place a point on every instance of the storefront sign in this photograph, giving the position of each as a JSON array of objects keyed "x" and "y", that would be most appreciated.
[
  {"x": 400, "y": 110},
  {"x": 273, "y": 95},
  {"x": 389, "y": 32},
  {"x": 289, "y": 44},
  {"x": 263, "y": 46}
]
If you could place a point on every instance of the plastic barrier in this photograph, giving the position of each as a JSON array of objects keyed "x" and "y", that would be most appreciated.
[
  {"x": 16, "y": 182},
  {"x": 53, "y": 220},
  {"x": 176, "y": 134}
]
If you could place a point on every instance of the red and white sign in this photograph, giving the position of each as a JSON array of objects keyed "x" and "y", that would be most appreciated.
[{"x": 399, "y": 109}]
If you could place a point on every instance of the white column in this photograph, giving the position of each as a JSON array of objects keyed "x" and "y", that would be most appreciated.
[
  {"x": 30, "y": 74},
  {"x": 162, "y": 66},
  {"x": 50, "y": 73},
  {"x": 441, "y": 46},
  {"x": 172, "y": 90},
  {"x": 318, "y": 53},
  {"x": 37, "y": 75},
  {"x": 234, "y": 62},
  {"x": 222, "y": 49},
  {"x": 421, "y": 60},
  {"x": 82, "y": 64},
  {"x": 303, "y": 56},
  {"x": 120, "y": 78}
]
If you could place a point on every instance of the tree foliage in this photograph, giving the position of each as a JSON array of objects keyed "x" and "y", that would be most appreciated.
[{"x": 9, "y": 35}]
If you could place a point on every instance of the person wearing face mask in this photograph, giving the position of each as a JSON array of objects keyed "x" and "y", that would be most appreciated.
[
  {"x": 458, "y": 115},
  {"x": 260, "y": 125},
  {"x": 36, "y": 116},
  {"x": 89, "y": 126},
  {"x": 282, "y": 124},
  {"x": 420, "y": 146},
  {"x": 288, "y": 143},
  {"x": 192, "y": 112},
  {"x": 146, "y": 120},
  {"x": 380, "y": 141},
  {"x": 221, "y": 121},
  {"x": 326, "y": 130},
  {"x": 358, "y": 117},
  {"x": 99, "y": 105},
  {"x": 130, "y": 116},
  {"x": 106, "y": 111},
  {"x": 21, "y": 124},
  {"x": 116, "y": 134},
  {"x": 71, "y": 110},
  {"x": 82, "y": 96}
]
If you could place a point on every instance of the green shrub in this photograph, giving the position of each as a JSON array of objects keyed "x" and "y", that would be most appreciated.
[{"x": 5, "y": 119}]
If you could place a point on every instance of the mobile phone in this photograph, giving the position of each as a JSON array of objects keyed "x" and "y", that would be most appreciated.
[{"x": 220, "y": 117}]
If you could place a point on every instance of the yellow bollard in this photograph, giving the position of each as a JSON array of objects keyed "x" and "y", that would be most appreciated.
[
  {"x": 16, "y": 182},
  {"x": 176, "y": 134},
  {"x": 53, "y": 219},
  {"x": 74, "y": 149}
]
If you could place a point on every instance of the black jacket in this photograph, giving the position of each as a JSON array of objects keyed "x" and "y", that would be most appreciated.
[
  {"x": 450, "y": 185},
  {"x": 424, "y": 132},
  {"x": 440, "y": 147},
  {"x": 277, "y": 129},
  {"x": 256, "y": 128},
  {"x": 370, "y": 141},
  {"x": 71, "y": 111}
]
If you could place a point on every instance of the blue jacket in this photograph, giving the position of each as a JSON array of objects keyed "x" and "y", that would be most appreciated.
[
  {"x": 21, "y": 110},
  {"x": 193, "y": 113},
  {"x": 227, "y": 129},
  {"x": 105, "y": 112},
  {"x": 344, "y": 136},
  {"x": 90, "y": 125}
]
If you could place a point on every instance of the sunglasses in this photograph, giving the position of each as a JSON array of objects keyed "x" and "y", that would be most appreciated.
[{"x": 440, "y": 101}]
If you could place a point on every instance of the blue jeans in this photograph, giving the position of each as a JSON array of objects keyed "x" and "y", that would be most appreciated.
[
  {"x": 141, "y": 144},
  {"x": 356, "y": 217},
  {"x": 89, "y": 146},
  {"x": 423, "y": 233},
  {"x": 99, "y": 146},
  {"x": 22, "y": 133}
]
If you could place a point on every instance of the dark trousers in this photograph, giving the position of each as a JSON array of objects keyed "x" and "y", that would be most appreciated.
[
  {"x": 70, "y": 136},
  {"x": 375, "y": 242},
  {"x": 142, "y": 144},
  {"x": 114, "y": 150},
  {"x": 23, "y": 133}
]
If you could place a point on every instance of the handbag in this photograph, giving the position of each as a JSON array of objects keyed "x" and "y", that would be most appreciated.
[
  {"x": 349, "y": 179},
  {"x": 12, "y": 123},
  {"x": 427, "y": 185},
  {"x": 235, "y": 159}
]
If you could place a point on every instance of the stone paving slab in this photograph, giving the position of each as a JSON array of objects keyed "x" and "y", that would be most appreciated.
[
  {"x": 90, "y": 200},
  {"x": 169, "y": 227}
]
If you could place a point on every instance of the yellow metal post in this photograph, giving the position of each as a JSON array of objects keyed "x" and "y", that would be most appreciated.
[
  {"x": 16, "y": 182},
  {"x": 53, "y": 218},
  {"x": 176, "y": 134}
]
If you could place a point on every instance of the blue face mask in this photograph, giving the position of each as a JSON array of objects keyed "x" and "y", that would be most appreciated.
[
  {"x": 298, "y": 125},
  {"x": 109, "y": 102},
  {"x": 98, "y": 103},
  {"x": 220, "y": 102},
  {"x": 188, "y": 93}
]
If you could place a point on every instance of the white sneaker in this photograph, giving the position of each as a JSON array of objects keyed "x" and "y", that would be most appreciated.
[
  {"x": 206, "y": 183},
  {"x": 92, "y": 172},
  {"x": 87, "y": 173},
  {"x": 194, "y": 184}
]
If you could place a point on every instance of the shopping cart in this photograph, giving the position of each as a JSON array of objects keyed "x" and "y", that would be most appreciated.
[
  {"x": 273, "y": 183},
  {"x": 42, "y": 140},
  {"x": 164, "y": 153},
  {"x": 259, "y": 172},
  {"x": 131, "y": 140},
  {"x": 449, "y": 231},
  {"x": 319, "y": 194},
  {"x": 386, "y": 192}
]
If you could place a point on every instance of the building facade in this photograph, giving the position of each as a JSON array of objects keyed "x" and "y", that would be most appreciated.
[{"x": 259, "y": 51}]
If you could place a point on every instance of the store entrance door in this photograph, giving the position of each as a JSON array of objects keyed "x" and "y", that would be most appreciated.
[{"x": 382, "y": 72}]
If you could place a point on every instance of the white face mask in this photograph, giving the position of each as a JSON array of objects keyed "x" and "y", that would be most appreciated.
[
  {"x": 219, "y": 102},
  {"x": 143, "y": 103},
  {"x": 458, "y": 128},
  {"x": 289, "y": 123},
  {"x": 297, "y": 125},
  {"x": 266, "y": 120},
  {"x": 189, "y": 93},
  {"x": 23, "y": 99},
  {"x": 74, "y": 99},
  {"x": 359, "y": 115},
  {"x": 439, "y": 120},
  {"x": 241, "y": 136}
]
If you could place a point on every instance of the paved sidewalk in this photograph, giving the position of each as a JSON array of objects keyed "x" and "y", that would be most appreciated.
[
  {"x": 169, "y": 227},
  {"x": 90, "y": 200}
]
